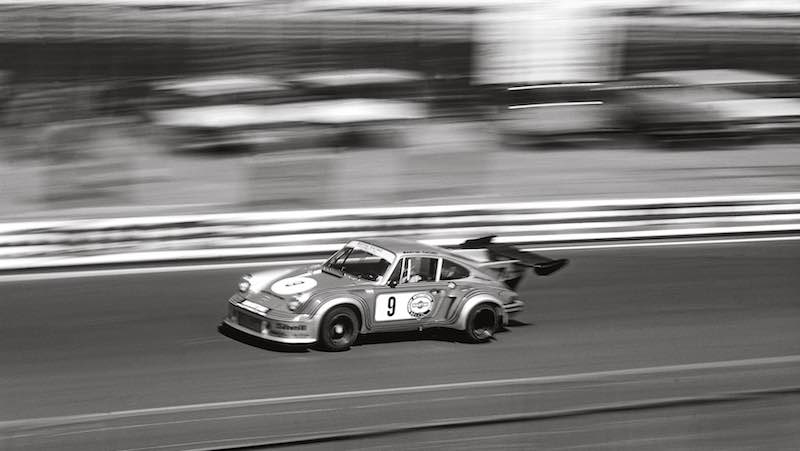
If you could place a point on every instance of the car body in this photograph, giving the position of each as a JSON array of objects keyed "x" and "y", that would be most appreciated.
[
  {"x": 369, "y": 107},
  {"x": 554, "y": 113},
  {"x": 263, "y": 113},
  {"x": 230, "y": 112},
  {"x": 370, "y": 286},
  {"x": 711, "y": 104}
]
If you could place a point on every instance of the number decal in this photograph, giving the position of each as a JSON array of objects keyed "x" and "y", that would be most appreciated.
[
  {"x": 392, "y": 304},
  {"x": 402, "y": 305}
]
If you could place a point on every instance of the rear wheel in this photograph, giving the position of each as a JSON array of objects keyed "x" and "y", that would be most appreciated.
[
  {"x": 482, "y": 323},
  {"x": 339, "y": 329}
]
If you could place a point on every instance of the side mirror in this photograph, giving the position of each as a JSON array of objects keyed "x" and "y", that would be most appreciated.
[
  {"x": 451, "y": 287},
  {"x": 392, "y": 283}
]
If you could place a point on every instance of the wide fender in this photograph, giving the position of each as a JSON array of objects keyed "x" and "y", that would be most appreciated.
[
  {"x": 359, "y": 304},
  {"x": 461, "y": 323}
]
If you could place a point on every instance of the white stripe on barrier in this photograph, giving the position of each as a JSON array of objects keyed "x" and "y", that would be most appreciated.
[
  {"x": 202, "y": 254},
  {"x": 638, "y": 234},
  {"x": 397, "y": 211},
  {"x": 234, "y": 241},
  {"x": 436, "y": 209},
  {"x": 208, "y": 236},
  {"x": 508, "y": 230},
  {"x": 689, "y": 242},
  {"x": 234, "y": 229},
  {"x": 531, "y": 217},
  {"x": 295, "y": 262}
]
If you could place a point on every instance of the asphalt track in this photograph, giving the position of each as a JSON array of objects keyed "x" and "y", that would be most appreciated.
[{"x": 702, "y": 340}]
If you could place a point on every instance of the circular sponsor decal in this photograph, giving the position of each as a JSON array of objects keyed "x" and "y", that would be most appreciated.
[
  {"x": 420, "y": 305},
  {"x": 293, "y": 285}
]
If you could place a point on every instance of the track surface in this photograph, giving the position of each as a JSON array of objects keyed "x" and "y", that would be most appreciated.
[{"x": 121, "y": 343}]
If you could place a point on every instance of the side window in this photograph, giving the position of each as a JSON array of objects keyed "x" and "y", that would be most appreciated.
[
  {"x": 453, "y": 271},
  {"x": 416, "y": 269}
]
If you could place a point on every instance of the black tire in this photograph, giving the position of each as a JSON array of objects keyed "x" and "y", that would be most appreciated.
[
  {"x": 482, "y": 323},
  {"x": 339, "y": 329}
]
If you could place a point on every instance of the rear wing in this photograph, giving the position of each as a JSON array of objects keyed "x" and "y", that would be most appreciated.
[{"x": 508, "y": 260}]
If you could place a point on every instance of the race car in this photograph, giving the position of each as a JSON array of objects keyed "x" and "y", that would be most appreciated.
[{"x": 387, "y": 285}]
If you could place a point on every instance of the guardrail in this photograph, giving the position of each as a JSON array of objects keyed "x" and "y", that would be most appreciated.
[{"x": 42, "y": 244}]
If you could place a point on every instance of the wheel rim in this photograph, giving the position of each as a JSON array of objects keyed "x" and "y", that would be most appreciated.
[
  {"x": 484, "y": 323},
  {"x": 341, "y": 330}
]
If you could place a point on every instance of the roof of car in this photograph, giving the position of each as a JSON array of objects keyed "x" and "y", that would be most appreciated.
[
  {"x": 403, "y": 246},
  {"x": 202, "y": 86},
  {"x": 716, "y": 77},
  {"x": 357, "y": 77}
]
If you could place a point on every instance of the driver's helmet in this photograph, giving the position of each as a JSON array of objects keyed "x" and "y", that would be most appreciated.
[{"x": 411, "y": 272}]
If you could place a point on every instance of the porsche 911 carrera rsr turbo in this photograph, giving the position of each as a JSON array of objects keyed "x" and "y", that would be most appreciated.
[{"x": 386, "y": 285}]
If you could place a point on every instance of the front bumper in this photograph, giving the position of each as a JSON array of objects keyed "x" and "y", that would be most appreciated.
[{"x": 298, "y": 329}]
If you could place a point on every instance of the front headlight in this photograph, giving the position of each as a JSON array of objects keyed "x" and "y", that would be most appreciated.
[
  {"x": 293, "y": 305},
  {"x": 244, "y": 284}
]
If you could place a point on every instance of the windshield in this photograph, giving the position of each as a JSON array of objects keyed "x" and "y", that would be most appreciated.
[
  {"x": 200, "y": 92},
  {"x": 360, "y": 260},
  {"x": 384, "y": 85}
]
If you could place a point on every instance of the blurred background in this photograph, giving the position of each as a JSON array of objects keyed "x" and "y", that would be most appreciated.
[{"x": 187, "y": 105}]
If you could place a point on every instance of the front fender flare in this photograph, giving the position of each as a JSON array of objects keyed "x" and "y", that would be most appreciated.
[{"x": 359, "y": 304}]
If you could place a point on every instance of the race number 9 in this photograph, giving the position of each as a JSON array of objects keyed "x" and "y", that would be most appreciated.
[{"x": 392, "y": 306}]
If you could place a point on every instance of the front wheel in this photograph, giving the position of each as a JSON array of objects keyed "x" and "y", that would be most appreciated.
[
  {"x": 339, "y": 329},
  {"x": 482, "y": 323}
]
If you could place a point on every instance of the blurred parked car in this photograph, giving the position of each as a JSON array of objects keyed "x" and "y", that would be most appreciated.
[
  {"x": 220, "y": 90},
  {"x": 564, "y": 112},
  {"x": 224, "y": 112},
  {"x": 386, "y": 84},
  {"x": 710, "y": 105},
  {"x": 367, "y": 106},
  {"x": 318, "y": 110}
]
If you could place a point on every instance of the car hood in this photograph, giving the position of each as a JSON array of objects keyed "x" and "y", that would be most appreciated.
[{"x": 275, "y": 288}]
